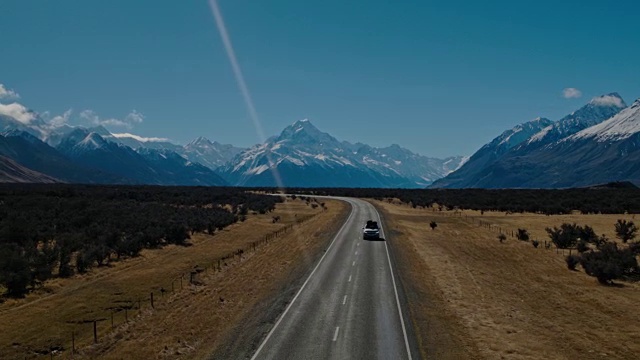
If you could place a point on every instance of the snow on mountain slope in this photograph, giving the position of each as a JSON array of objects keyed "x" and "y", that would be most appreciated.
[
  {"x": 208, "y": 153},
  {"x": 623, "y": 125},
  {"x": 596, "y": 111},
  {"x": 144, "y": 166},
  {"x": 488, "y": 166},
  {"x": 305, "y": 156},
  {"x": 606, "y": 151},
  {"x": 468, "y": 172},
  {"x": 519, "y": 133},
  {"x": 603, "y": 153},
  {"x": 32, "y": 153}
]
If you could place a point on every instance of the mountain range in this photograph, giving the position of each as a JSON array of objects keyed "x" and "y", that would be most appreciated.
[
  {"x": 598, "y": 143},
  {"x": 301, "y": 155},
  {"x": 304, "y": 156}
]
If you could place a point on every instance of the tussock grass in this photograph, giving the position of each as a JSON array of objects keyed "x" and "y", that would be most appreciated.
[{"x": 488, "y": 300}]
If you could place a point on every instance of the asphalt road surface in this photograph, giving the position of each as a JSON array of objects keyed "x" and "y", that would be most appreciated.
[{"x": 349, "y": 307}]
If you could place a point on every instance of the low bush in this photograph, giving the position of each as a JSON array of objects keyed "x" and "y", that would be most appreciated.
[
  {"x": 625, "y": 230},
  {"x": 582, "y": 246},
  {"x": 572, "y": 261},
  {"x": 522, "y": 235},
  {"x": 609, "y": 262}
]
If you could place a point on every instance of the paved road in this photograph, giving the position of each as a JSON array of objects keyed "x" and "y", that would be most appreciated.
[{"x": 349, "y": 307}]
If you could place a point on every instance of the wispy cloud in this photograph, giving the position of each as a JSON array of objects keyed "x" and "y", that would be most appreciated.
[
  {"x": 134, "y": 117},
  {"x": 18, "y": 112},
  {"x": 57, "y": 120},
  {"x": 8, "y": 94},
  {"x": 571, "y": 93},
  {"x": 140, "y": 138},
  {"x": 608, "y": 100}
]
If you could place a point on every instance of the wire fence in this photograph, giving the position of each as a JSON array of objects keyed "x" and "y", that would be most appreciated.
[
  {"x": 124, "y": 310},
  {"x": 544, "y": 244}
]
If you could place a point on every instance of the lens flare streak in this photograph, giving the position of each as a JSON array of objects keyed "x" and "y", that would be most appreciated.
[{"x": 244, "y": 89}]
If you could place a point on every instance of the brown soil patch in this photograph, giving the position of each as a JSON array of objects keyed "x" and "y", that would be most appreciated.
[
  {"x": 188, "y": 322},
  {"x": 472, "y": 297}
]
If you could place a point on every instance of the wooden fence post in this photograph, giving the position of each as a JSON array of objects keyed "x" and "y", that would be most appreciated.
[
  {"x": 73, "y": 342},
  {"x": 95, "y": 332},
  {"x": 112, "y": 319},
  {"x": 151, "y": 298}
]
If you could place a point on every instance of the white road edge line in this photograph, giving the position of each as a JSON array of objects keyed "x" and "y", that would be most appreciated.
[
  {"x": 395, "y": 289},
  {"x": 344, "y": 300},
  {"x": 335, "y": 335},
  {"x": 264, "y": 342}
]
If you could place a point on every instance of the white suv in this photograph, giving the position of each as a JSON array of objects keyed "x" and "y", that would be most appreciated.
[{"x": 371, "y": 230}]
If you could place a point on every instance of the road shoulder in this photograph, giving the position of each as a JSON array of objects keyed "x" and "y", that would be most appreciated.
[{"x": 437, "y": 333}]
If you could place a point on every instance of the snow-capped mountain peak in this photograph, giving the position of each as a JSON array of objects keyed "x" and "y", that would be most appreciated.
[
  {"x": 519, "y": 133},
  {"x": 621, "y": 126},
  {"x": 304, "y": 132},
  {"x": 92, "y": 141},
  {"x": 303, "y": 155},
  {"x": 200, "y": 141},
  {"x": 596, "y": 111}
]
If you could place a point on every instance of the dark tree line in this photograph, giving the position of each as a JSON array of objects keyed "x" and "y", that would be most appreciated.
[
  {"x": 605, "y": 200},
  {"x": 58, "y": 230}
]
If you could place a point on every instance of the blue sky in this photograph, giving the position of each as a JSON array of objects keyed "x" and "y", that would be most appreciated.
[{"x": 437, "y": 77}]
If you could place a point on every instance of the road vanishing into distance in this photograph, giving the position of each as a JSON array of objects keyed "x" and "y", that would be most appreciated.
[{"x": 349, "y": 307}]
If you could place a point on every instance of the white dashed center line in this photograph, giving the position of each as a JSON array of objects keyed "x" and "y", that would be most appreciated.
[
  {"x": 349, "y": 278},
  {"x": 335, "y": 335},
  {"x": 354, "y": 264},
  {"x": 344, "y": 300}
]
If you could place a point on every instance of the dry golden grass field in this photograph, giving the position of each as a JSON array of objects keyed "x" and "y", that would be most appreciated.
[
  {"x": 472, "y": 297},
  {"x": 189, "y": 322}
]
